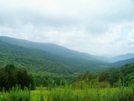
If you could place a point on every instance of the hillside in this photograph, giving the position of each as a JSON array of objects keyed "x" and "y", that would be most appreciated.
[
  {"x": 53, "y": 49},
  {"x": 31, "y": 59},
  {"x": 40, "y": 61}
]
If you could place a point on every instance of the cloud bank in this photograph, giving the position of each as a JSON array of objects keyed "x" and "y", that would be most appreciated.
[{"x": 92, "y": 26}]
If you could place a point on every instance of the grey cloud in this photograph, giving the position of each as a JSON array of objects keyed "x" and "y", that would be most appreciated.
[
  {"x": 91, "y": 19},
  {"x": 93, "y": 22},
  {"x": 24, "y": 18}
]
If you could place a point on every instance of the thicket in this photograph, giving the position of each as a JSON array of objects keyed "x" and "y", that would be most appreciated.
[
  {"x": 10, "y": 76},
  {"x": 114, "y": 77}
]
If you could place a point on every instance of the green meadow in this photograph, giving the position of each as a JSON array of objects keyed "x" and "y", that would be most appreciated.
[{"x": 68, "y": 93}]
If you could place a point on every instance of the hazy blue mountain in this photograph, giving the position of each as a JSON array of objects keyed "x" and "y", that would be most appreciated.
[
  {"x": 121, "y": 63},
  {"x": 122, "y": 57},
  {"x": 53, "y": 49}
]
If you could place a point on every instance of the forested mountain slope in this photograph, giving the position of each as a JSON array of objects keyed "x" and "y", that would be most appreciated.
[
  {"x": 35, "y": 60},
  {"x": 53, "y": 49}
]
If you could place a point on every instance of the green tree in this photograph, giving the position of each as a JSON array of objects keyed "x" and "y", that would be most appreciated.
[
  {"x": 22, "y": 78},
  {"x": 31, "y": 81},
  {"x": 11, "y": 76},
  {"x": 3, "y": 79},
  {"x": 104, "y": 76},
  {"x": 114, "y": 76}
]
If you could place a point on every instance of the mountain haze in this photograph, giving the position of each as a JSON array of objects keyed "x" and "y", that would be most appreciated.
[
  {"x": 121, "y": 63},
  {"x": 122, "y": 57},
  {"x": 54, "y": 58},
  {"x": 36, "y": 60},
  {"x": 53, "y": 49}
]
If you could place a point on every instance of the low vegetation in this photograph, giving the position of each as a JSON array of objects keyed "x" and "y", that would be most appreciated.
[
  {"x": 68, "y": 93},
  {"x": 115, "y": 84}
]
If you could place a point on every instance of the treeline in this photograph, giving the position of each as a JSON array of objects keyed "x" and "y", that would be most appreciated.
[
  {"x": 10, "y": 76},
  {"x": 113, "y": 77},
  {"x": 50, "y": 80},
  {"x": 116, "y": 76}
]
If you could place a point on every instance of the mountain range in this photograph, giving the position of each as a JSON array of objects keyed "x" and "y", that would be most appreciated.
[
  {"x": 53, "y": 49},
  {"x": 34, "y": 59},
  {"x": 122, "y": 62},
  {"x": 122, "y": 57},
  {"x": 53, "y": 58}
]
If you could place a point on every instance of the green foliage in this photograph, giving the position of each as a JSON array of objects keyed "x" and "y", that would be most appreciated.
[
  {"x": 31, "y": 79},
  {"x": 10, "y": 76},
  {"x": 85, "y": 76},
  {"x": 67, "y": 93},
  {"x": 129, "y": 79},
  {"x": 15, "y": 94},
  {"x": 58, "y": 75},
  {"x": 114, "y": 76},
  {"x": 47, "y": 79},
  {"x": 104, "y": 76},
  {"x": 91, "y": 94}
]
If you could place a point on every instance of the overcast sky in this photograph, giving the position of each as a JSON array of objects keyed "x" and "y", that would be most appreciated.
[{"x": 91, "y": 26}]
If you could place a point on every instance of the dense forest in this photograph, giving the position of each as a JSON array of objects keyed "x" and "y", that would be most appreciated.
[
  {"x": 11, "y": 76},
  {"x": 115, "y": 84},
  {"x": 113, "y": 77}
]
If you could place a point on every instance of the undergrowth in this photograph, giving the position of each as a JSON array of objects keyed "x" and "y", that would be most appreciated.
[{"x": 68, "y": 93}]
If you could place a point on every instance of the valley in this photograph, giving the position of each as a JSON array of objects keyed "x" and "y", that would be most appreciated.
[{"x": 52, "y": 68}]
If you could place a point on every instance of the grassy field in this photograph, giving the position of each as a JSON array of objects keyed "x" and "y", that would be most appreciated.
[{"x": 69, "y": 94}]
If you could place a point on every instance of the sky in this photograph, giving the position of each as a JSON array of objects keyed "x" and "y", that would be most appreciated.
[{"x": 91, "y": 26}]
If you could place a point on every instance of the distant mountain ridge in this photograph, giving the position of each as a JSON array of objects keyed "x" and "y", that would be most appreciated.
[
  {"x": 122, "y": 62},
  {"x": 53, "y": 49},
  {"x": 69, "y": 60},
  {"x": 122, "y": 57}
]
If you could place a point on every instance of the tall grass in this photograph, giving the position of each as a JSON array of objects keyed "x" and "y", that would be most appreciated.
[
  {"x": 15, "y": 94},
  {"x": 68, "y": 93}
]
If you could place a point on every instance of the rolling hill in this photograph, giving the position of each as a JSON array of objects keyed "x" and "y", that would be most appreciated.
[
  {"x": 36, "y": 60},
  {"x": 53, "y": 49},
  {"x": 68, "y": 60}
]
